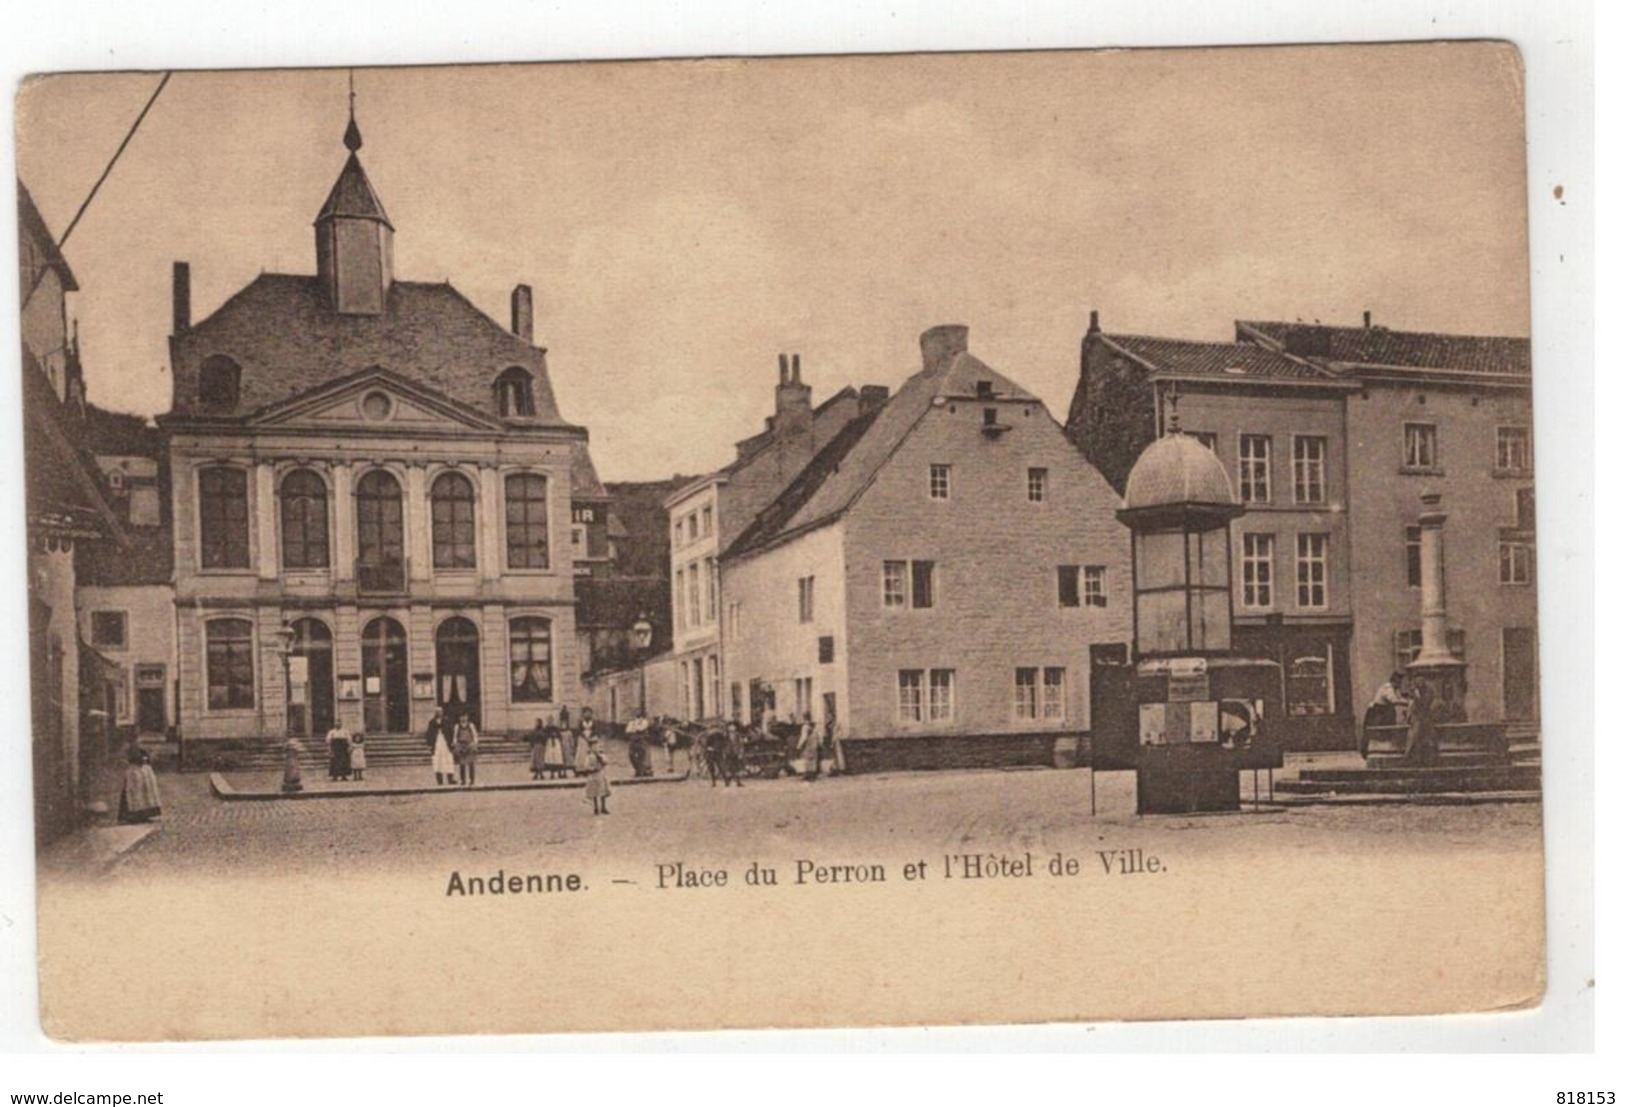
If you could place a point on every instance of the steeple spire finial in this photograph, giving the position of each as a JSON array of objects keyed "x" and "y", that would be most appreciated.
[
  {"x": 1172, "y": 399},
  {"x": 352, "y": 133}
]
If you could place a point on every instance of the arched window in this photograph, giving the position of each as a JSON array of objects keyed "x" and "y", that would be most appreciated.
[
  {"x": 304, "y": 521},
  {"x": 514, "y": 394},
  {"x": 451, "y": 504},
  {"x": 218, "y": 382},
  {"x": 230, "y": 646},
  {"x": 380, "y": 533},
  {"x": 223, "y": 517},
  {"x": 530, "y": 658},
  {"x": 527, "y": 521}
]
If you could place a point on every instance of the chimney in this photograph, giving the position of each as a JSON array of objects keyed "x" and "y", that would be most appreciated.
[
  {"x": 792, "y": 411},
  {"x": 872, "y": 397},
  {"x": 1094, "y": 322},
  {"x": 524, "y": 313},
  {"x": 1368, "y": 320},
  {"x": 940, "y": 345},
  {"x": 182, "y": 288}
]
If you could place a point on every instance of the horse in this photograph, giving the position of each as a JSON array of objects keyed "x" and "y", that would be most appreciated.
[{"x": 724, "y": 758}]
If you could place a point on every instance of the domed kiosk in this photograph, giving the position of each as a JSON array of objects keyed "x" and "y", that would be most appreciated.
[{"x": 1189, "y": 716}]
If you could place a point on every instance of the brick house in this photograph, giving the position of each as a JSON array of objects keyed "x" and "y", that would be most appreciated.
[
  {"x": 382, "y": 469},
  {"x": 1330, "y": 435},
  {"x": 938, "y": 580}
]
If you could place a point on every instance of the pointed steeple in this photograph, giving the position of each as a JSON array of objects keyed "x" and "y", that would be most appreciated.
[{"x": 355, "y": 247}]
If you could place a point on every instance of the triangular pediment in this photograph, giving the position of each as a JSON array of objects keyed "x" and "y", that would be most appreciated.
[{"x": 374, "y": 399}]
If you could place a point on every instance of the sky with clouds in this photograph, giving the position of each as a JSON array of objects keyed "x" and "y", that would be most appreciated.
[{"x": 684, "y": 222}]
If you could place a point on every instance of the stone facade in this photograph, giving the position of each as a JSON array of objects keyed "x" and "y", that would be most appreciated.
[
  {"x": 377, "y": 507},
  {"x": 1358, "y": 390},
  {"x": 910, "y": 580}
]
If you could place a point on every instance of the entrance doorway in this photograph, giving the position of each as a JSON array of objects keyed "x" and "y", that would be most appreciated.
[
  {"x": 1114, "y": 724},
  {"x": 457, "y": 667},
  {"x": 1518, "y": 677},
  {"x": 386, "y": 706},
  {"x": 151, "y": 714},
  {"x": 310, "y": 676}
]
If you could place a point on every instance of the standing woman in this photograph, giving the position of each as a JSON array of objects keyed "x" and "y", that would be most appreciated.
[
  {"x": 809, "y": 749},
  {"x": 466, "y": 746},
  {"x": 553, "y": 753},
  {"x": 439, "y": 742},
  {"x": 537, "y": 740},
  {"x": 597, "y": 770},
  {"x": 138, "y": 801},
  {"x": 584, "y": 740}
]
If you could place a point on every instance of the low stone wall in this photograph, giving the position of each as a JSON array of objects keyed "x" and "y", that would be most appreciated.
[{"x": 964, "y": 751}]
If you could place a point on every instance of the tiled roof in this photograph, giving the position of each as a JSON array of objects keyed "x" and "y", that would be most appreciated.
[
  {"x": 1220, "y": 359},
  {"x": 149, "y": 559},
  {"x": 116, "y": 434},
  {"x": 584, "y": 482},
  {"x": 776, "y": 518},
  {"x": 353, "y": 196},
  {"x": 287, "y": 340},
  {"x": 1404, "y": 349},
  {"x": 32, "y": 226},
  {"x": 840, "y": 472}
]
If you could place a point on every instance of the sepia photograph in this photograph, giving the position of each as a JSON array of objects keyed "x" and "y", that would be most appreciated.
[{"x": 831, "y": 541}]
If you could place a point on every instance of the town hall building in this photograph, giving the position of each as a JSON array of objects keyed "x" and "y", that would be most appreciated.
[{"x": 375, "y": 498}]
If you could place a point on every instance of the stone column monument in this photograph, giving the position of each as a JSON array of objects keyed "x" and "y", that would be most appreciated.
[{"x": 1436, "y": 673}]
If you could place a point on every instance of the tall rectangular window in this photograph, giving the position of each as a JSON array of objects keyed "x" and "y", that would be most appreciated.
[
  {"x": 1413, "y": 557},
  {"x": 527, "y": 521},
  {"x": 530, "y": 660},
  {"x": 713, "y": 676},
  {"x": 693, "y": 526},
  {"x": 911, "y": 695},
  {"x": 1094, "y": 586},
  {"x": 894, "y": 584},
  {"x": 1517, "y": 561},
  {"x": 680, "y": 598},
  {"x": 707, "y": 521},
  {"x": 1309, "y": 468},
  {"x": 1026, "y": 693},
  {"x": 925, "y": 583},
  {"x": 804, "y": 599},
  {"x": 1066, "y": 577},
  {"x": 1255, "y": 468},
  {"x": 694, "y": 594},
  {"x": 223, "y": 518},
  {"x": 940, "y": 701},
  {"x": 1257, "y": 570},
  {"x": 1312, "y": 569},
  {"x": 230, "y": 669},
  {"x": 709, "y": 570},
  {"x": 1512, "y": 453},
  {"x": 1054, "y": 705},
  {"x": 939, "y": 481},
  {"x": 1421, "y": 446},
  {"x": 1037, "y": 485}
]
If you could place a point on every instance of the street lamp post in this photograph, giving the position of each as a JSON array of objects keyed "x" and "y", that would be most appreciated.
[
  {"x": 643, "y": 632},
  {"x": 284, "y": 649}
]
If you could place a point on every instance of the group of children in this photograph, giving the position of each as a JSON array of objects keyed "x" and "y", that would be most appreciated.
[{"x": 557, "y": 751}]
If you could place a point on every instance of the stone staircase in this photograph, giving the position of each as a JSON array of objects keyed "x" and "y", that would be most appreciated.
[
  {"x": 382, "y": 750},
  {"x": 1472, "y": 765}
]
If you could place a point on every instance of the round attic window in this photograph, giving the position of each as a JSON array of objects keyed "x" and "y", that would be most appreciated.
[{"x": 377, "y": 406}]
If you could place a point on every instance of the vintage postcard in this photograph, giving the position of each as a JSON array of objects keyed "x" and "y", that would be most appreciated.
[{"x": 830, "y": 541}]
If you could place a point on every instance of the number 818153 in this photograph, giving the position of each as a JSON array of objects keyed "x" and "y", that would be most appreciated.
[{"x": 1585, "y": 1099}]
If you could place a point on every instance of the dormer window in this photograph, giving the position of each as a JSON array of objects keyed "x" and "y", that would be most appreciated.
[
  {"x": 514, "y": 395},
  {"x": 218, "y": 383}
]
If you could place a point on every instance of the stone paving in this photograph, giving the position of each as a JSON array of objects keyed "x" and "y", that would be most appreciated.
[{"x": 896, "y": 813}]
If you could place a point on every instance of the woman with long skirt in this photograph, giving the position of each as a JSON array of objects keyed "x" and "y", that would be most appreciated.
[
  {"x": 138, "y": 800},
  {"x": 597, "y": 775}
]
